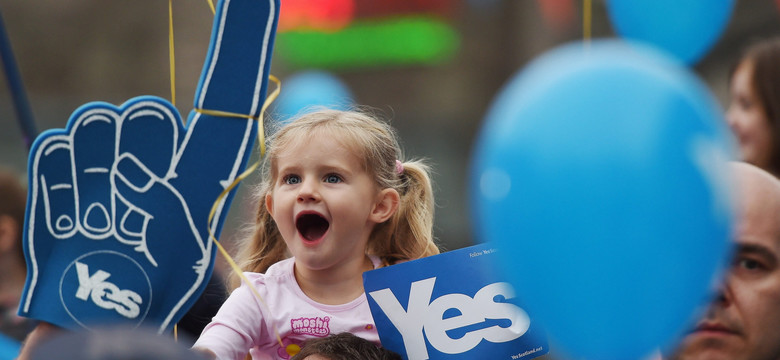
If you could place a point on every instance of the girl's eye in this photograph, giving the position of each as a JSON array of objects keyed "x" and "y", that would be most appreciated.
[
  {"x": 291, "y": 179},
  {"x": 332, "y": 179}
]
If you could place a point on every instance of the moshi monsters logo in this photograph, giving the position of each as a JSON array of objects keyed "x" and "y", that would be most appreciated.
[{"x": 317, "y": 326}]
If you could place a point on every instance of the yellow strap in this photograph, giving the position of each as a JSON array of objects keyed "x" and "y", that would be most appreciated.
[
  {"x": 211, "y": 5},
  {"x": 170, "y": 51},
  {"x": 226, "y": 114},
  {"x": 173, "y": 98},
  {"x": 244, "y": 175},
  {"x": 586, "y": 20},
  {"x": 260, "y": 134}
]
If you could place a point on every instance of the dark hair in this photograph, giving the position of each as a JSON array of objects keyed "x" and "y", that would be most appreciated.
[
  {"x": 765, "y": 80},
  {"x": 13, "y": 200},
  {"x": 345, "y": 346}
]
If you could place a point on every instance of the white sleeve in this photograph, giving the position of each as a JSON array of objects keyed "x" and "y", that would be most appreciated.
[{"x": 238, "y": 326}]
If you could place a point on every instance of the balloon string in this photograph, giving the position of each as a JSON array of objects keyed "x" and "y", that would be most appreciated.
[
  {"x": 244, "y": 175},
  {"x": 211, "y": 5},
  {"x": 171, "y": 53},
  {"x": 586, "y": 20}
]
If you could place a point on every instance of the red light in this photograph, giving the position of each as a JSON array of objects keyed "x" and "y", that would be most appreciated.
[
  {"x": 323, "y": 15},
  {"x": 557, "y": 13}
]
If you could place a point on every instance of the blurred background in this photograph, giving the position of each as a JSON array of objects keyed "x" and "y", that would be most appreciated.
[{"x": 432, "y": 67}]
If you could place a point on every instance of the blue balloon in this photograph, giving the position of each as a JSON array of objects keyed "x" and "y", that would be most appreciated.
[
  {"x": 310, "y": 89},
  {"x": 686, "y": 28},
  {"x": 600, "y": 173}
]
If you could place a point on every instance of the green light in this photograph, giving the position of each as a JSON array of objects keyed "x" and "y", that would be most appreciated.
[{"x": 370, "y": 43}]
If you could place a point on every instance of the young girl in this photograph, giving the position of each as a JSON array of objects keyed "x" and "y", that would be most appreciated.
[
  {"x": 337, "y": 198},
  {"x": 754, "y": 110}
]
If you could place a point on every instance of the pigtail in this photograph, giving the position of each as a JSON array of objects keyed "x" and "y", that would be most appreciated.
[{"x": 408, "y": 235}]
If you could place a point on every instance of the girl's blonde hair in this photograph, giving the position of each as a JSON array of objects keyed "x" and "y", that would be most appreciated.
[{"x": 407, "y": 235}]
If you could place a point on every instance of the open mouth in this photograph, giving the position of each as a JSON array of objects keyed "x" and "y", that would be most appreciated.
[{"x": 311, "y": 226}]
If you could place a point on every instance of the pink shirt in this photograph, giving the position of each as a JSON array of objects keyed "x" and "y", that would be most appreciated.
[{"x": 244, "y": 323}]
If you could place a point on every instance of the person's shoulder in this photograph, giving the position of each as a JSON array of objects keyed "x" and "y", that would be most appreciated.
[
  {"x": 273, "y": 286},
  {"x": 276, "y": 273},
  {"x": 281, "y": 268}
]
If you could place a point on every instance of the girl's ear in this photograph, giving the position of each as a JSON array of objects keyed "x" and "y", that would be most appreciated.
[
  {"x": 9, "y": 233},
  {"x": 269, "y": 204},
  {"x": 385, "y": 206}
]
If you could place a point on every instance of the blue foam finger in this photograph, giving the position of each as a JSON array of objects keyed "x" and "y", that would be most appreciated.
[
  {"x": 238, "y": 62},
  {"x": 133, "y": 189},
  {"x": 91, "y": 277},
  {"x": 234, "y": 80}
]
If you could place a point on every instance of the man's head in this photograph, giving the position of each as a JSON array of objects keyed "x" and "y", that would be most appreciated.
[
  {"x": 111, "y": 343},
  {"x": 343, "y": 346},
  {"x": 743, "y": 321}
]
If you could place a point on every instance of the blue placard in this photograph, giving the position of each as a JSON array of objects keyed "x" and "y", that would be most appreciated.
[
  {"x": 452, "y": 306},
  {"x": 117, "y": 223}
]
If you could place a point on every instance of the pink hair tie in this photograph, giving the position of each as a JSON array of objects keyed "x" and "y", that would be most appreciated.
[{"x": 399, "y": 167}]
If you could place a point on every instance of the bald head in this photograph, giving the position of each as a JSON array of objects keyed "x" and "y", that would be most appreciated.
[
  {"x": 758, "y": 201},
  {"x": 741, "y": 323}
]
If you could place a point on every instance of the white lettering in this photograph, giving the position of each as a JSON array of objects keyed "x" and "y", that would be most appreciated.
[
  {"x": 131, "y": 300},
  {"x": 436, "y": 326},
  {"x": 409, "y": 323},
  {"x": 520, "y": 322},
  {"x": 86, "y": 282},
  {"x": 105, "y": 294},
  {"x": 424, "y": 315}
]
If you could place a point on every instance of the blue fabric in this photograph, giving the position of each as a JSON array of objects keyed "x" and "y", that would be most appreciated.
[{"x": 119, "y": 199}]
